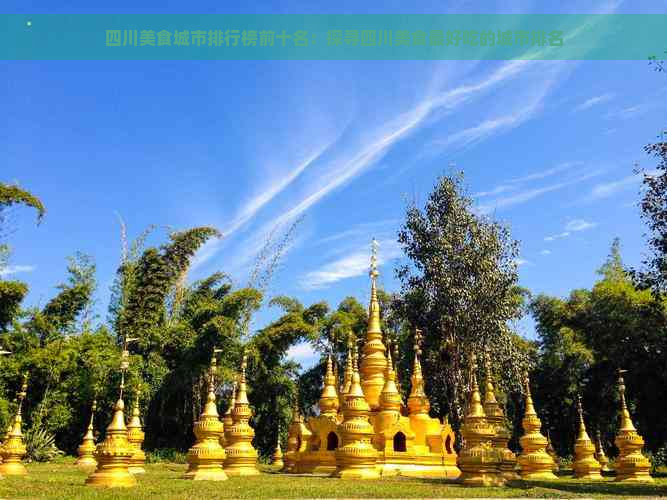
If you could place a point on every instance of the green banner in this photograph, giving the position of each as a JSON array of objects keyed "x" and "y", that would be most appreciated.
[{"x": 332, "y": 37}]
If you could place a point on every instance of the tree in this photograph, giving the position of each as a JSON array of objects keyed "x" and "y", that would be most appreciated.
[
  {"x": 584, "y": 339},
  {"x": 461, "y": 289},
  {"x": 654, "y": 213}
]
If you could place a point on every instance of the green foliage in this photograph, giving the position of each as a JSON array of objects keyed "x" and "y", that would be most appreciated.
[
  {"x": 11, "y": 296},
  {"x": 13, "y": 195},
  {"x": 461, "y": 289},
  {"x": 41, "y": 446},
  {"x": 584, "y": 339},
  {"x": 166, "y": 455}
]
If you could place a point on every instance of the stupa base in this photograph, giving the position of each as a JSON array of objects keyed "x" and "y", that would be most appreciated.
[
  {"x": 136, "y": 469},
  {"x": 477, "y": 479},
  {"x": 111, "y": 479},
  {"x": 206, "y": 474},
  {"x": 13, "y": 469},
  {"x": 242, "y": 471},
  {"x": 86, "y": 463},
  {"x": 547, "y": 475},
  {"x": 634, "y": 478},
  {"x": 357, "y": 473}
]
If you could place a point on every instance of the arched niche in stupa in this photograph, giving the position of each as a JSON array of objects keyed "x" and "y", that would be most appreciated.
[
  {"x": 332, "y": 441},
  {"x": 400, "y": 442}
]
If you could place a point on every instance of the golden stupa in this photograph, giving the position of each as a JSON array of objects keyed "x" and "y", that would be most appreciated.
[
  {"x": 478, "y": 460},
  {"x": 631, "y": 464},
  {"x": 534, "y": 461},
  {"x": 227, "y": 419},
  {"x": 206, "y": 457},
  {"x": 294, "y": 433},
  {"x": 136, "y": 435},
  {"x": 496, "y": 417},
  {"x": 277, "y": 457},
  {"x": 86, "y": 449},
  {"x": 552, "y": 452},
  {"x": 13, "y": 448},
  {"x": 114, "y": 453},
  {"x": 585, "y": 465},
  {"x": 408, "y": 442},
  {"x": 600, "y": 455},
  {"x": 241, "y": 456},
  {"x": 356, "y": 458}
]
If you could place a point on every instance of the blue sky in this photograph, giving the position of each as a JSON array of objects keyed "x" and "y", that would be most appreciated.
[{"x": 547, "y": 147}]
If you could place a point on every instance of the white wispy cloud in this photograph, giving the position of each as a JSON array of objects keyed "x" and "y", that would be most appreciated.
[
  {"x": 349, "y": 266},
  {"x": 9, "y": 270},
  {"x": 530, "y": 194},
  {"x": 513, "y": 184},
  {"x": 573, "y": 226},
  {"x": 606, "y": 189},
  {"x": 523, "y": 262},
  {"x": 593, "y": 101},
  {"x": 579, "y": 225},
  {"x": 545, "y": 252}
]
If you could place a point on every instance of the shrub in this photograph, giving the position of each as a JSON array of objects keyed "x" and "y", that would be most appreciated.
[
  {"x": 41, "y": 446},
  {"x": 161, "y": 455}
]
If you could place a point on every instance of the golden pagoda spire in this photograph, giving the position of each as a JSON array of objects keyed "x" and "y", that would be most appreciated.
[
  {"x": 534, "y": 461},
  {"x": 227, "y": 420},
  {"x": 206, "y": 456},
  {"x": 600, "y": 454},
  {"x": 357, "y": 457},
  {"x": 241, "y": 456},
  {"x": 86, "y": 449},
  {"x": 390, "y": 398},
  {"x": 13, "y": 449},
  {"x": 114, "y": 453},
  {"x": 496, "y": 417},
  {"x": 418, "y": 403},
  {"x": 631, "y": 464},
  {"x": 478, "y": 461},
  {"x": 347, "y": 376},
  {"x": 374, "y": 361},
  {"x": 329, "y": 398},
  {"x": 135, "y": 435},
  {"x": 585, "y": 465}
]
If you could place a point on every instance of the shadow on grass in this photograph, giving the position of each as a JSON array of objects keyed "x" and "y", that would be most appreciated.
[{"x": 602, "y": 488}]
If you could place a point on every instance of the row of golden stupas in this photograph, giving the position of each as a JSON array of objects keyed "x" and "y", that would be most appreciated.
[{"x": 364, "y": 430}]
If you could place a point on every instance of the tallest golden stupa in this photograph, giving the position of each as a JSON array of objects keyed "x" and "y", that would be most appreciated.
[{"x": 398, "y": 439}]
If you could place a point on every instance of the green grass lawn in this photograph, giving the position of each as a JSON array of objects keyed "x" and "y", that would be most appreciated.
[{"x": 64, "y": 480}]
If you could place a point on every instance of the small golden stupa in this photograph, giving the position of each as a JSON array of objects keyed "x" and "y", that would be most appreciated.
[
  {"x": 241, "y": 456},
  {"x": 13, "y": 449},
  {"x": 277, "y": 457},
  {"x": 356, "y": 458},
  {"x": 86, "y": 449},
  {"x": 478, "y": 460},
  {"x": 534, "y": 461},
  {"x": 631, "y": 464},
  {"x": 600, "y": 454},
  {"x": 206, "y": 457},
  {"x": 136, "y": 435},
  {"x": 585, "y": 465},
  {"x": 227, "y": 419},
  {"x": 114, "y": 453},
  {"x": 293, "y": 440},
  {"x": 496, "y": 417}
]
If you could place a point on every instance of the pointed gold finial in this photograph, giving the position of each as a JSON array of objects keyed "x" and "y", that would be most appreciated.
[
  {"x": 418, "y": 403},
  {"x": 86, "y": 449},
  {"x": 600, "y": 455},
  {"x": 390, "y": 398},
  {"x": 329, "y": 397}
]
